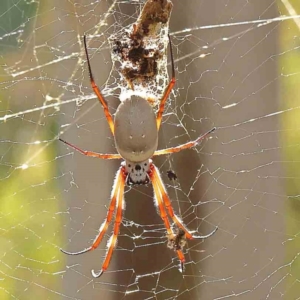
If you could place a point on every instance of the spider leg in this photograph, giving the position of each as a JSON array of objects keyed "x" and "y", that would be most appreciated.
[
  {"x": 167, "y": 90},
  {"x": 113, "y": 239},
  {"x": 184, "y": 146},
  {"x": 93, "y": 154},
  {"x": 164, "y": 216},
  {"x": 181, "y": 258},
  {"x": 156, "y": 179},
  {"x": 116, "y": 187},
  {"x": 98, "y": 92}
]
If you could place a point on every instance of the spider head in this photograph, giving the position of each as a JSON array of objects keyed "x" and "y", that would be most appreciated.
[{"x": 137, "y": 172}]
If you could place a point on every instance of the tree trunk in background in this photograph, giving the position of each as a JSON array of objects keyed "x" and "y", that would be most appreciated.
[{"x": 234, "y": 61}]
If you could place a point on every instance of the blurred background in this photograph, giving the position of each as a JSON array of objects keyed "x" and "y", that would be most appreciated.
[{"x": 237, "y": 68}]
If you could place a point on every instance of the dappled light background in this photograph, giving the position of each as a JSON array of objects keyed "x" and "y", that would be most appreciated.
[{"x": 237, "y": 69}]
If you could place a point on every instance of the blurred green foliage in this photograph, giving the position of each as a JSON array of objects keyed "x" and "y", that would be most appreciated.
[
  {"x": 289, "y": 64},
  {"x": 29, "y": 221},
  {"x": 29, "y": 197},
  {"x": 16, "y": 19}
]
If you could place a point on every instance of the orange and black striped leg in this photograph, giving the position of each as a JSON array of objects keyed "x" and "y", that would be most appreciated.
[
  {"x": 162, "y": 190},
  {"x": 98, "y": 92},
  {"x": 167, "y": 90},
  {"x": 120, "y": 178},
  {"x": 163, "y": 213},
  {"x": 92, "y": 154},
  {"x": 184, "y": 146},
  {"x": 113, "y": 239}
]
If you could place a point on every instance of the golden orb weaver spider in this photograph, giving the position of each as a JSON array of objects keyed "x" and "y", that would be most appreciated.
[{"x": 135, "y": 129}]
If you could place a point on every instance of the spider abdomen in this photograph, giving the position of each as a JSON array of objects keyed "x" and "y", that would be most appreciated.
[{"x": 136, "y": 135}]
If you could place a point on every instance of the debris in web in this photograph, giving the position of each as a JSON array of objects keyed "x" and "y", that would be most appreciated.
[
  {"x": 178, "y": 241},
  {"x": 141, "y": 49}
]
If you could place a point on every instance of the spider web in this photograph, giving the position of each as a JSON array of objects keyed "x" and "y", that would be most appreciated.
[{"x": 236, "y": 68}]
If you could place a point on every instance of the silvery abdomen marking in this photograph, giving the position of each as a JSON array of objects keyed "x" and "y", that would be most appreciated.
[{"x": 136, "y": 135}]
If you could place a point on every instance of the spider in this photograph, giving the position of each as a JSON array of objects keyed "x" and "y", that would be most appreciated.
[
  {"x": 171, "y": 175},
  {"x": 135, "y": 129}
]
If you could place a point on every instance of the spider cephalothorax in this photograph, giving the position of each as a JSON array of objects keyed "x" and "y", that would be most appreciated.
[
  {"x": 137, "y": 173},
  {"x": 135, "y": 129}
]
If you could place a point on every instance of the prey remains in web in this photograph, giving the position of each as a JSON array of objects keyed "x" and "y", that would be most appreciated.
[
  {"x": 141, "y": 50},
  {"x": 135, "y": 129},
  {"x": 178, "y": 241}
]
